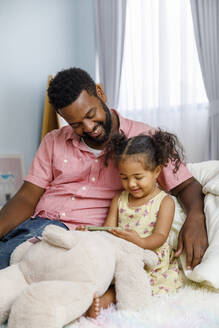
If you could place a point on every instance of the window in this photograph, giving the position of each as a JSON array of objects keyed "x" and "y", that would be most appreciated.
[{"x": 161, "y": 67}]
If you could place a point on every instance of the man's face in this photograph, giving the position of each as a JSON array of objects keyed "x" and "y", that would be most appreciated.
[{"x": 90, "y": 118}]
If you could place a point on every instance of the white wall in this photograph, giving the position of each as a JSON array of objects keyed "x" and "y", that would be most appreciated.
[
  {"x": 85, "y": 52},
  {"x": 37, "y": 38}
]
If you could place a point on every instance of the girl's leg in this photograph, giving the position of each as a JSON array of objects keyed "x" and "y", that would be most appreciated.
[{"x": 102, "y": 302}]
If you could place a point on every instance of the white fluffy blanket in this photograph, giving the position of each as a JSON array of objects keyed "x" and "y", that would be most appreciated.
[
  {"x": 206, "y": 273},
  {"x": 188, "y": 308}
]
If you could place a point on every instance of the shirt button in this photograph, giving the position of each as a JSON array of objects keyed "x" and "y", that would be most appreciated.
[
  {"x": 73, "y": 198},
  {"x": 93, "y": 179},
  {"x": 63, "y": 214},
  {"x": 84, "y": 188},
  {"x": 65, "y": 160},
  {"x": 96, "y": 160}
]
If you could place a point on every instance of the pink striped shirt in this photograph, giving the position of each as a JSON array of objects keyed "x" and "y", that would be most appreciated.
[{"x": 78, "y": 186}]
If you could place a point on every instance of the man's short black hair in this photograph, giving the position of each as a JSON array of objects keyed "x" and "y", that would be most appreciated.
[{"x": 67, "y": 85}]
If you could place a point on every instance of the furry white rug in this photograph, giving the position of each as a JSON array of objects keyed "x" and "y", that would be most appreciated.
[{"x": 191, "y": 307}]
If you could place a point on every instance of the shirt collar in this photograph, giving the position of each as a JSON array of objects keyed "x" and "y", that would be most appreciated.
[{"x": 72, "y": 136}]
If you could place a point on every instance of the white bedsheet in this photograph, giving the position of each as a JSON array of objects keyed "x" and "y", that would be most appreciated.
[{"x": 207, "y": 272}]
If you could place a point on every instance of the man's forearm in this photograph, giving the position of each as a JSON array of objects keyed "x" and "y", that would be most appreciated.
[
  {"x": 20, "y": 207},
  {"x": 13, "y": 213},
  {"x": 190, "y": 196}
]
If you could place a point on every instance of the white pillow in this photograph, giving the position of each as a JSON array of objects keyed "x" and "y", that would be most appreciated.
[
  {"x": 204, "y": 171},
  {"x": 212, "y": 186},
  {"x": 207, "y": 272}
]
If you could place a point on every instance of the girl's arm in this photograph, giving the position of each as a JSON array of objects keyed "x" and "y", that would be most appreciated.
[
  {"x": 112, "y": 217},
  {"x": 161, "y": 229},
  {"x": 163, "y": 225}
]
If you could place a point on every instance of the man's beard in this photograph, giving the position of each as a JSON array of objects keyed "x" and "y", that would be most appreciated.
[{"x": 106, "y": 126}]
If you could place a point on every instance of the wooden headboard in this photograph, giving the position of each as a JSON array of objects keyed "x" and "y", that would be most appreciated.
[{"x": 50, "y": 120}]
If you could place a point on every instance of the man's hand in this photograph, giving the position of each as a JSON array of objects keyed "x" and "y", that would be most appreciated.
[{"x": 193, "y": 237}]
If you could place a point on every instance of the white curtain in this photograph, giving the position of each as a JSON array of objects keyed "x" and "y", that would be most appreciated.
[
  {"x": 161, "y": 81},
  {"x": 206, "y": 26},
  {"x": 110, "y": 17}
]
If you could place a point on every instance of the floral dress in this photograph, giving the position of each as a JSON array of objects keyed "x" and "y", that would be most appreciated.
[{"x": 164, "y": 278}]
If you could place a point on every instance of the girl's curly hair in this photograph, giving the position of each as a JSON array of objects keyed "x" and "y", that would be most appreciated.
[{"x": 158, "y": 149}]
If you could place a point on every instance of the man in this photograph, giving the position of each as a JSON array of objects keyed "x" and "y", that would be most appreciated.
[{"x": 69, "y": 184}]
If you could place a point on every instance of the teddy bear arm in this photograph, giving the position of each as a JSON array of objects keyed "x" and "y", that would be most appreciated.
[{"x": 50, "y": 304}]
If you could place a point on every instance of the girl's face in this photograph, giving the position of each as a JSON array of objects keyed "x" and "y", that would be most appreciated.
[{"x": 137, "y": 180}]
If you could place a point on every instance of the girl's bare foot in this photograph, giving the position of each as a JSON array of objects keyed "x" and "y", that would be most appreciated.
[
  {"x": 94, "y": 309},
  {"x": 102, "y": 302}
]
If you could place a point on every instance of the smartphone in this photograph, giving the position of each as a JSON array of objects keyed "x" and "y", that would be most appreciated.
[{"x": 93, "y": 228}]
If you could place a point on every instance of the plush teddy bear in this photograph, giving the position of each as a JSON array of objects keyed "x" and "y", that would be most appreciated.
[{"x": 54, "y": 280}]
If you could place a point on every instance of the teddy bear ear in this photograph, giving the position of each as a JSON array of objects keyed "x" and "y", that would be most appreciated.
[{"x": 58, "y": 237}]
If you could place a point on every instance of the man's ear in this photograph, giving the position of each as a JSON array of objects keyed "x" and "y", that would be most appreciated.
[
  {"x": 158, "y": 170},
  {"x": 101, "y": 93}
]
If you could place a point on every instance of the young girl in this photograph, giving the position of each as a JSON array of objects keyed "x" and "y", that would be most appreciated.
[{"x": 143, "y": 210}]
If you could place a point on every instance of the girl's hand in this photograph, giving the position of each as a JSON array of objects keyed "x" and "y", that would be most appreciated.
[
  {"x": 81, "y": 228},
  {"x": 129, "y": 235}
]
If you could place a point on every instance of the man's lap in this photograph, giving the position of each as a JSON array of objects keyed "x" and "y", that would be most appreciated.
[{"x": 30, "y": 228}]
